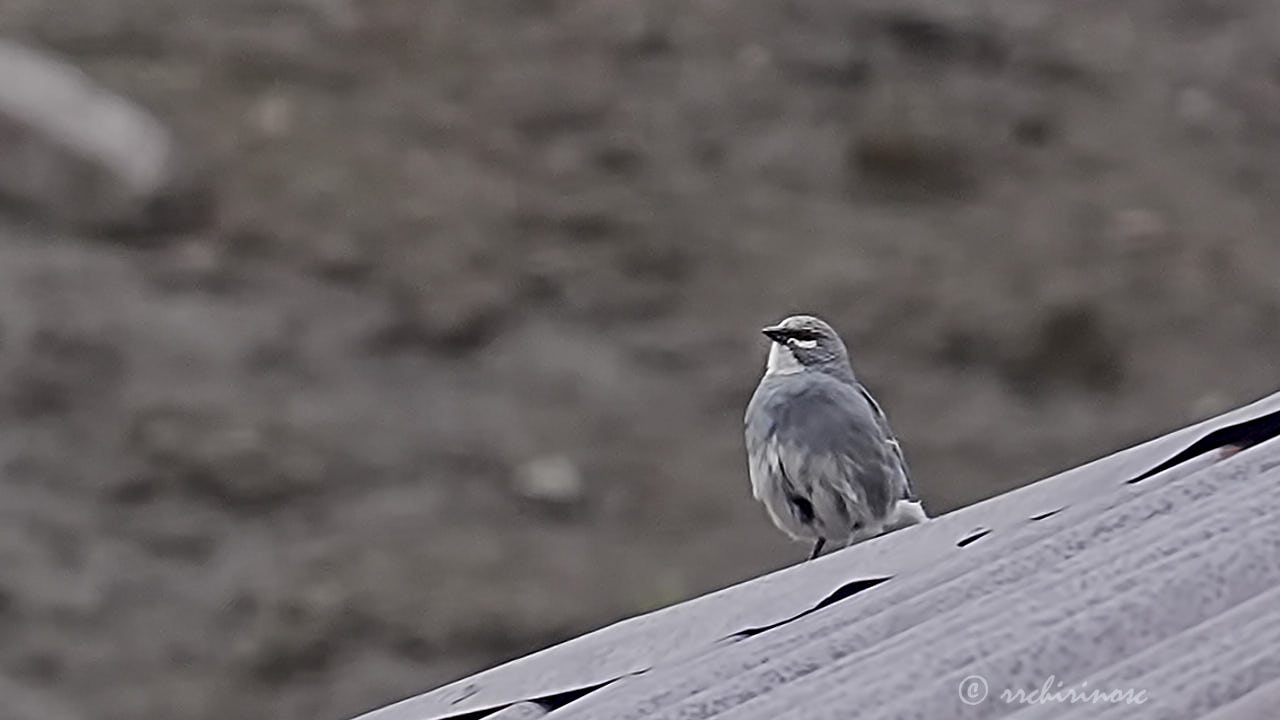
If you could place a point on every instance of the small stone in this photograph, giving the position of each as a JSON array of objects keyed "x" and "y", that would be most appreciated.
[
  {"x": 1196, "y": 108},
  {"x": 273, "y": 115},
  {"x": 552, "y": 479},
  {"x": 1138, "y": 231}
]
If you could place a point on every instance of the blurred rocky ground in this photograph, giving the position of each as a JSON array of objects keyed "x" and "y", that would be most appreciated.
[{"x": 349, "y": 347}]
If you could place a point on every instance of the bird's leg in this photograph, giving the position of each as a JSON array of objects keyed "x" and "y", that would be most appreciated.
[{"x": 817, "y": 548}]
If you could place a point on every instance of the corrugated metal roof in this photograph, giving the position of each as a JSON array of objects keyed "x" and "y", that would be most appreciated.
[{"x": 1106, "y": 577}]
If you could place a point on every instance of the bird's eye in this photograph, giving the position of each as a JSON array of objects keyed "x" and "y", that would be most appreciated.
[{"x": 803, "y": 338}]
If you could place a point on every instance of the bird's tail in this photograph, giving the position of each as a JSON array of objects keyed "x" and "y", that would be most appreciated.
[{"x": 905, "y": 514}]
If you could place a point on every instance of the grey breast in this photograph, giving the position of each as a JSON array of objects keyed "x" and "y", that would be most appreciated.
[{"x": 818, "y": 440}]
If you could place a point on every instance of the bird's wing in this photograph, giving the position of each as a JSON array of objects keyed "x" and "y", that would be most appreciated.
[{"x": 892, "y": 440}]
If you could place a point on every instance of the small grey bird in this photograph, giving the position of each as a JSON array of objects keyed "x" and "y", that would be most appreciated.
[{"x": 820, "y": 452}]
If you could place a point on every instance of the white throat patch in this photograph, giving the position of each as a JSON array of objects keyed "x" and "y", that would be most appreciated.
[{"x": 781, "y": 361}]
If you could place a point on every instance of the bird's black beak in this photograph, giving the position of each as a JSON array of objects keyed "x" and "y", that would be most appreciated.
[{"x": 775, "y": 333}]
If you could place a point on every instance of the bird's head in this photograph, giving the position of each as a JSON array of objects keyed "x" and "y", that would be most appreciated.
[{"x": 804, "y": 342}]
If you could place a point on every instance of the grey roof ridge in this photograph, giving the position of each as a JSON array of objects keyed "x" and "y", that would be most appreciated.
[
  {"x": 917, "y": 603},
  {"x": 631, "y": 646}
]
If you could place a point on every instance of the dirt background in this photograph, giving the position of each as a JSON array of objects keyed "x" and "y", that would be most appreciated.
[{"x": 272, "y": 467}]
